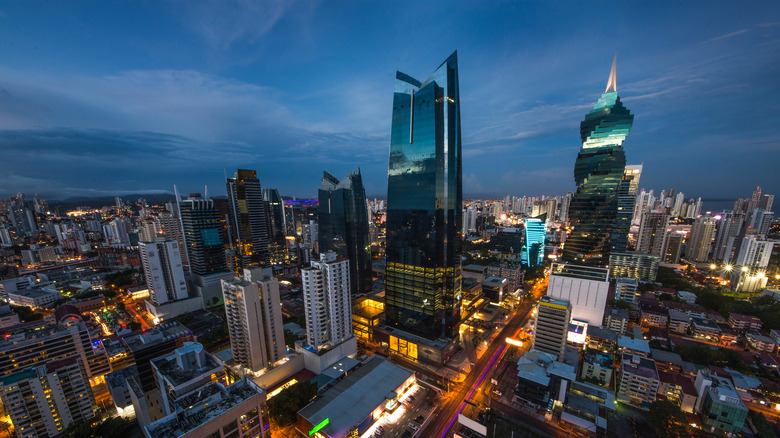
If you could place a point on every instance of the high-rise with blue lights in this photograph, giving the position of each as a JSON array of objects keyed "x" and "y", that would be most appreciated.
[
  {"x": 533, "y": 250},
  {"x": 424, "y": 202},
  {"x": 598, "y": 173}
]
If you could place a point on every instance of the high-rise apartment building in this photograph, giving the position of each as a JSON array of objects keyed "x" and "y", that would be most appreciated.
[
  {"x": 202, "y": 230},
  {"x": 652, "y": 232},
  {"x": 728, "y": 229},
  {"x": 552, "y": 326},
  {"x": 44, "y": 400},
  {"x": 343, "y": 226},
  {"x": 700, "y": 239},
  {"x": 627, "y": 289},
  {"x": 626, "y": 201},
  {"x": 584, "y": 287},
  {"x": 247, "y": 220},
  {"x": 274, "y": 214},
  {"x": 327, "y": 301},
  {"x": 672, "y": 249},
  {"x": 598, "y": 174},
  {"x": 254, "y": 318},
  {"x": 163, "y": 270},
  {"x": 424, "y": 200}
]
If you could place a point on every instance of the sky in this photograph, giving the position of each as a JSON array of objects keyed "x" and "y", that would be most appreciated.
[{"x": 103, "y": 98}]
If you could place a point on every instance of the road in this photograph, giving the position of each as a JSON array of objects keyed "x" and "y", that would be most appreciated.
[{"x": 454, "y": 401}]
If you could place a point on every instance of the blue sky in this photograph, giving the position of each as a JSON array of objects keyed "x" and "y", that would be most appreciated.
[{"x": 103, "y": 98}]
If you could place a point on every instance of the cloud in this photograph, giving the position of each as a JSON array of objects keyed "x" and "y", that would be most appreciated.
[{"x": 726, "y": 36}]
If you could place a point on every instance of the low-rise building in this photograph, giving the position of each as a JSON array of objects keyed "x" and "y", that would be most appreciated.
[
  {"x": 728, "y": 336},
  {"x": 760, "y": 342},
  {"x": 34, "y": 297},
  {"x": 542, "y": 379},
  {"x": 654, "y": 315},
  {"x": 687, "y": 297},
  {"x": 634, "y": 346},
  {"x": 602, "y": 339},
  {"x": 638, "y": 380},
  {"x": 183, "y": 371},
  {"x": 678, "y": 321},
  {"x": 719, "y": 404},
  {"x": 744, "y": 322},
  {"x": 678, "y": 389},
  {"x": 367, "y": 312},
  {"x": 705, "y": 329},
  {"x": 495, "y": 288},
  {"x": 596, "y": 367},
  {"x": 626, "y": 289},
  {"x": 667, "y": 360},
  {"x": 513, "y": 272},
  {"x": 616, "y": 319}
]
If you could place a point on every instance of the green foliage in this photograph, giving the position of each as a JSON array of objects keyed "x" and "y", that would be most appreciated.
[
  {"x": 109, "y": 428},
  {"x": 185, "y": 318},
  {"x": 289, "y": 339},
  {"x": 722, "y": 357},
  {"x": 26, "y": 314},
  {"x": 763, "y": 427},
  {"x": 121, "y": 278},
  {"x": 287, "y": 403},
  {"x": 533, "y": 273},
  {"x": 667, "y": 420},
  {"x": 216, "y": 337}
]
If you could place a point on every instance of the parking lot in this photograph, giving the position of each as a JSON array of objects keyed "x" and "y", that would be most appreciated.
[{"x": 405, "y": 421}]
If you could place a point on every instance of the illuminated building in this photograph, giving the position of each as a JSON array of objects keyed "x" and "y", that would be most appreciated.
[
  {"x": 254, "y": 319},
  {"x": 652, "y": 233},
  {"x": 367, "y": 312},
  {"x": 598, "y": 174},
  {"x": 533, "y": 249},
  {"x": 627, "y": 192},
  {"x": 343, "y": 226},
  {"x": 642, "y": 267},
  {"x": 163, "y": 270},
  {"x": 719, "y": 403},
  {"x": 327, "y": 301},
  {"x": 639, "y": 380},
  {"x": 552, "y": 326},
  {"x": 627, "y": 289},
  {"x": 700, "y": 239},
  {"x": 584, "y": 287},
  {"x": 511, "y": 271},
  {"x": 247, "y": 220},
  {"x": 44, "y": 400},
  {"x": 424, "y": 201},
  {"x": 274, "y": 213},
  {"x": 203, "y": 237}
]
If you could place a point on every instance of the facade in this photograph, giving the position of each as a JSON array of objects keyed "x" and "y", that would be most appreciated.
[
  {"x": 343, "y": 226},
  {"x": 533, "y": 250},
  {"x": 424, "y": 201},
  {"x": 367, "y": 312},
  {"x": 616, "y": 319},
  {"x": 627, "y": 289},
  {"x": 34, "y": 297},
  {"x": 597, "y": 366},
  {"x": 700, "y": 239},
  {"x": 631, "y": 265},
  {"x": 203, "y": 235},
  {"x": 248, "y": 225},
  {"x": 254, "y": 318},
  {"x": 327, "y": 300},
  {"x": 584, "y": 287},
  {"x": 215, "y": 410},
  {"x": 719, "y": 404},
  {"x": 744, "y": 322},
  {"x": 163, "y": 270},
  {"x": 44, "y": 400},
  {"x": 639, "y": 380},
  {"x": 652, "y": 233},
  {"x": 598, "y": 174},
  {"x": 552, "y": 326},
  {"x": 275, "y": 224},
  {"x": 513, "y": 272},
  {"x": 627, "y": 191},
  {"x": 673, "y": 242}
]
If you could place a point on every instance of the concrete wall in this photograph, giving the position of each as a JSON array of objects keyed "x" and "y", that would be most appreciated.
[{"x": 317, "y": 363}]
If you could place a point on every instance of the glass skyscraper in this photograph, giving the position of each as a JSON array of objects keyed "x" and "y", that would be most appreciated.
[
  {"x": 533, "y": 250},
  {"x": 203, "y": 236},
  {"x": 626, "y": 201},
  {"x": 247, "y": 220},
  {"x": 424, "y": 205},
  {"x": 274, "y": 214},
  {"x": 598, "y": 173},
  {"x": 343, "y": 226}
]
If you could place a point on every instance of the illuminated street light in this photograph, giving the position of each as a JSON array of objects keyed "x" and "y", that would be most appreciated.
[
  {"x": 729, "y": 267},
  {"x": 744, "y": 269}
]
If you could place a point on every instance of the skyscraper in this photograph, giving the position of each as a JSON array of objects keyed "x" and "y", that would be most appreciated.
[
  {"x": 627, "y": 192},
  {"x": 533, "y": 250},
  {"x": 652, "y": 233},
  {"x": 327, "y": 300},
  {"x": 247, "y": 220},
  {"x": 552, "y": 324},
  {"x": 343, "y": 226},
  {"x": 163, "y": 270},
  {"x": 424, "y": 201},
  {"x": 274, "y": 214},
  {"x": 202, "y": 227},
  {"x": 598, "y": 173},
  {"x": 700, "y": 239}
]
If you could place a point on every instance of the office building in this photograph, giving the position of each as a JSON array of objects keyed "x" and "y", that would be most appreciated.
[
  {"x": 627, "y": 192},
  {"x": 424, "y": 201},
  {"x": 248, "y": 226},
  {"x": 327, "y": 301},
  {"x": 642, "y": 267},
  {"x": 727, "y": 234},
  {"x": 672, "y": 247},
  {"x": 598, "y": 174},
  {"x": 254, "y": 318},
  {"x": 215, "y": 410},
  {"x": 585, "y": 288},
  {"x": 343, "y": 226},
  {"x": 533, "y": 251},
  {"x": 552, "y": 326},
  {"x": 184, "y": 370},
  {"x": 719, "y": 404},
  {"x": 163, "y": 271},
  {"x": 274, "y": 213},
  {"x": 44, "y": 400},
  {"x": 700, "y": 239},
  {"x": 203, "y": 237},
  {"x": 652, "y": 233}
]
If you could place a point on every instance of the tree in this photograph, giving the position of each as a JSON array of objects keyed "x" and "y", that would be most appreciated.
[
  {"x": 287, "y": 403},
  {"x": 110, "y": 428},
  {"x": 668, "y": 420},
  {"x": 763, "y": 427}
]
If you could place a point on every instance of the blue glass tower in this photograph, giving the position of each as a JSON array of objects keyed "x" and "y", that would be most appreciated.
[
  {"x": 533, "y": 250},
  {"x": 424, "y": 197},
  {"x": 598, "y": 173}
]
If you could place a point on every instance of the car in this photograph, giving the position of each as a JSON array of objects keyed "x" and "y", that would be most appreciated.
[
  {"x": 419, "y": 419},
  {"x": 411, "y": 397},
  {"x": 413, "y": 426}
]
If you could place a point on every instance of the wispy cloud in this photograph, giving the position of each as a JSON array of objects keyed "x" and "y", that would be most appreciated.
[{"x": 726, "y": 36}]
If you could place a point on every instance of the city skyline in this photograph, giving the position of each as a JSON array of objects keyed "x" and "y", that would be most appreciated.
[{"x": 91, "y": 106}]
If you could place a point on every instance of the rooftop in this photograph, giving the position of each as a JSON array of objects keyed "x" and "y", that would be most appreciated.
[
  {"x": 34, "y": 292},
  {"x": 160, "y": 333},
  {"x": 203, "y": 405},
  {"x": 353, "y": 398},
  {"x": 666, "y": 356},
  {"x": 639, "y": 366},
  {"x": 537, "y": 366},
  {"x": 186, "y": 363},
  {"x": 705, "y": 323},
  {"x": 580, "y": 271},
  {"x": 634, "y": 344}
]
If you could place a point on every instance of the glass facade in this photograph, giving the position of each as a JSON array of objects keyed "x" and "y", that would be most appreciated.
[
  {"x": 424, "y": 205},
  {"x": 626, "y": 200},
  {"x": 202, "y": 227},
  {"x": 247, "y": 220},
  {"x": 343, "y": 226},
  {"x": 599, "y": 175},
  {"x": 533, "y": 251},
  {"x": 274, "y": 213}
]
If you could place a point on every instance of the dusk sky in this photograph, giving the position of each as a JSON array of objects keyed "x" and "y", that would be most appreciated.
[{"x": 103, "y": 98}]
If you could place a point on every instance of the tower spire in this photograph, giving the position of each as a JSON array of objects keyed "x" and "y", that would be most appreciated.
[{"x": 612, "y": 82}]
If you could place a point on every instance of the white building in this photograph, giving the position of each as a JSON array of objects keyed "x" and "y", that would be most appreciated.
[
  {"x": 326, "y": 301},
  {"x": 584, "y": 287},
  {"x": 700, "y": 239},
  {"x": 627, "y": 289},
  {"x": 163, "y": 270},
  {"x": 754, "y": 252},
  {"x": 254, "y": 318}
]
